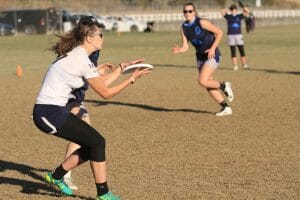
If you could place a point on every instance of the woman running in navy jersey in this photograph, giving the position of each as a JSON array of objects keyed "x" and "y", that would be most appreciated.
[
  {"x": 205, "y": 37},
  {"x": 51, "y": 115}
]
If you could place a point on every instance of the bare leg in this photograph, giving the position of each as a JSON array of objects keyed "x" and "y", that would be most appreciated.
[
  {"x": 213, "y": 86},
  {"x": 99, "y": 171},
  {"x": 72, "y": 161},
  {"x": 215, "y": 94},
  {"x": 234, "y": 61},
  {"x": 206, "y": 80},
  {"x": 243, "y": 59}
]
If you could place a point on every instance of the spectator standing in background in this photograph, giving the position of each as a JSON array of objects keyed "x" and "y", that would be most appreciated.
[{"x": 234, "y": 32}]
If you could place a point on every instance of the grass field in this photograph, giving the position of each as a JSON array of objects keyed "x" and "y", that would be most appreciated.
[{"x": 163, "y": 140}]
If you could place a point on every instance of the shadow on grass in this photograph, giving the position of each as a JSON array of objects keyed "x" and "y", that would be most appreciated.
[
  {"x": 273, "y": 71},
  {"x": 145, "y": 107},
  {"x": 175, "y": 66},
  {"x": 30, "y": 187}
]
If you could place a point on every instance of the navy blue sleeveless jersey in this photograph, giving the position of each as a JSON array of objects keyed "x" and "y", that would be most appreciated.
[
  {"x": 200, "y": 38},
  {"x": 234, "y": 23}
]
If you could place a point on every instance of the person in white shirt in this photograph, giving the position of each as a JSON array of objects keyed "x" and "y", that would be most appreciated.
[
  {"x": 51, "y": 115},
  {"x": 77, "y": 107},
  {"x": 76, "y": 103}
]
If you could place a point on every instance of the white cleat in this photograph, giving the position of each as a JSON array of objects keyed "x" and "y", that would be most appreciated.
[
  {"x": 245, "y": 66},
  {"x": 226, "y": 111},
  {"x": 68, "y": 180},
  {"x": 235, "y": 67},
  {"x": 228, "y": 91}
]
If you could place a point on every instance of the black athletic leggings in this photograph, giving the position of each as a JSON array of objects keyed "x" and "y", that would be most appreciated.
[
  {"x": 241, "y": 50},
  {"x": 91, "y": 142},
  {"x": 57, "y": 120}
]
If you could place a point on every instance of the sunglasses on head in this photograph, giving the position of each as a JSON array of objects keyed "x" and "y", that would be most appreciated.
[{"x": 188, "y": 11}]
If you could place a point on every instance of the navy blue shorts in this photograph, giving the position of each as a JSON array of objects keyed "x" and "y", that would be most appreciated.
[
  {"x": 56, "y": 120},
  {"x": 49, "y": 118}
]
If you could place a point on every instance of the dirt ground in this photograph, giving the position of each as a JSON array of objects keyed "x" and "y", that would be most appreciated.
[{"x": 163, "y": 140}]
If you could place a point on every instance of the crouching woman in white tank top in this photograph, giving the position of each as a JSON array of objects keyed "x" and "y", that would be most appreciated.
[{"x": 51, "y": 115}]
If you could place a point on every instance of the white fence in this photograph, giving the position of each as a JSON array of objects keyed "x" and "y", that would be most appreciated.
[{"x": 170, "y": 17}]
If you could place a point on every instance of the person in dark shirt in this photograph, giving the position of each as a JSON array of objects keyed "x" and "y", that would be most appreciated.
[
  {"x": 205, "y": 38},
  {"x": 249, "y": 21},
  {"x": 234, "y": 32}
]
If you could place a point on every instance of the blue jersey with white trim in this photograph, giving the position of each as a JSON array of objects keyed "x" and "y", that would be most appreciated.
[
  {"x": 234, "y": 23},
  {"x": 200, "y": 38}
]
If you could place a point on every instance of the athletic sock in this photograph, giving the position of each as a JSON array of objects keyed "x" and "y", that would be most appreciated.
[
  {"x": 68, "y": 174},
  {"x": 222, "y": 86},
  {"x": 102, "y": 188},
  {"x": 59, "y": 173},
  {"x": 224, "y": 104}
]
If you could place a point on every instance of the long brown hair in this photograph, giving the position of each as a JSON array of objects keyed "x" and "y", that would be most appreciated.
[{"x": 73, "y": 38}]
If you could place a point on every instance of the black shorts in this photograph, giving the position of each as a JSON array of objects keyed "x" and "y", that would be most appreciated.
[{"x": 48, "y": 118}]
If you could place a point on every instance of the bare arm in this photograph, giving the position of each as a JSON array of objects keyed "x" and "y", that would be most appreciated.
[
  {"x": 114, "y": 75},
  {"x": 246, "y": 11},
  {"x": 223, "y": 12},
  {"x": 99, "y": 86},
  {"x": 184, "y": 46},
  {"x": 218, "y": 36}
]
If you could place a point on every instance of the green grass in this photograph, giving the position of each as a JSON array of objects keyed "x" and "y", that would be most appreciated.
[
  {"x": 268, "y": 47},
  {"x": 163, "y": 139}
]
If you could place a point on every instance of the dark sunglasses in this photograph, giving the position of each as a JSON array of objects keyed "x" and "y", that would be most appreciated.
[{"x": 188, "y": 11}]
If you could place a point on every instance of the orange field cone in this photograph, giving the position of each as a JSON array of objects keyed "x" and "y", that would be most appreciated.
[{"x": 19, "y": 71}]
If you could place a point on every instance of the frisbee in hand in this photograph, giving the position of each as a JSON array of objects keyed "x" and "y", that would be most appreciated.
[{"x": 133, "y": 67}]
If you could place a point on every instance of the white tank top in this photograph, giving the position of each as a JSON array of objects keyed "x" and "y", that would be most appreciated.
[{"x": 64, "y": 75}]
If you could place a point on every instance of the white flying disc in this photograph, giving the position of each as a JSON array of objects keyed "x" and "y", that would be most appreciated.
[{"x": 132, "y": 68}]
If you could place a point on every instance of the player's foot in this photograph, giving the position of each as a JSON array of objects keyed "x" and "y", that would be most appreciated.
[
  {"x": 69, "y": 181},
  {"x": 224, "y": 112},
  {"x": 228, "y": 91},
  {"x": 60, "y": 184},
  {"x": 245, "y": 66},
  {"x": 108, "y": 196},
  {"x": 235, "y": 67}
]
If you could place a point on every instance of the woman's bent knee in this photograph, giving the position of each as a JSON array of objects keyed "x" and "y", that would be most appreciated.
[{"x": 202, "y": 83}]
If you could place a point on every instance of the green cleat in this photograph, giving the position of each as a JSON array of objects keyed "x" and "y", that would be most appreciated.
[
  {"x": 108, "y": 196},
  {"x": 60, "y": 184}
]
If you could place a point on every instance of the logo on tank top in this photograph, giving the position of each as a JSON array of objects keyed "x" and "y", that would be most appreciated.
[
  {"x": 91, "y": 65},
  {"x": 235, "y": 25},
  {"x": 197, "y": 30},
  {"x": 197, "y": 42}
]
